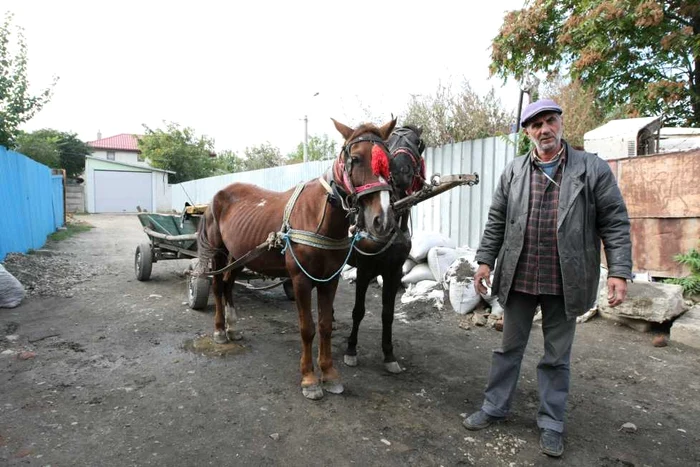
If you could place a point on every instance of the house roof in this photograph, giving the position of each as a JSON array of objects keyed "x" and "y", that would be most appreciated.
[
  {"x": 143, "y": 167},
  {"x": 122, "y": 142},
  {"x": 623, "y": 127}
]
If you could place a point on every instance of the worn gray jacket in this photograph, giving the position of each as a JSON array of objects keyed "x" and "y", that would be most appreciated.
[{"x": 591, "y": 209}]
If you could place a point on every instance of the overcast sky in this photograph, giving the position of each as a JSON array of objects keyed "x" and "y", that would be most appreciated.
[{"x": 245, "y": 73}]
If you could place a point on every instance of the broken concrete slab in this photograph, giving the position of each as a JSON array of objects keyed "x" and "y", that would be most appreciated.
[
  {"x": 647, "y": 301},
  {"x": 686, "y": 329}
]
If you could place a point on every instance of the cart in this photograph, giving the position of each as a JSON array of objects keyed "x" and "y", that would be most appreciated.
[{"x": 174, "y": 236}]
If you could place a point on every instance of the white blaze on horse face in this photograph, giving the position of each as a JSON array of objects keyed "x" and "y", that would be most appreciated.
[{"x": 385, "y": 201}]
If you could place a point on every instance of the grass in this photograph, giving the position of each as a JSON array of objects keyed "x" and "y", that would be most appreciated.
[{"x": 70, "y": 230}]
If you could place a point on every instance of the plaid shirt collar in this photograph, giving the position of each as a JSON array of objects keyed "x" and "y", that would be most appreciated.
[{"x": 561, "y": 155}]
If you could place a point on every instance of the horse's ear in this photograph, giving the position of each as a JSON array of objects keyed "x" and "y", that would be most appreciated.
[
  {"x": 419, "y": 130},
  {"x": 344, "y": 130},
  {"x": 386, "y": 129}
]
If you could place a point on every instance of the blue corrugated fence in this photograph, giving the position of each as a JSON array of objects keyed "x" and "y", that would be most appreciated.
[{"x": 32, "y": 201}]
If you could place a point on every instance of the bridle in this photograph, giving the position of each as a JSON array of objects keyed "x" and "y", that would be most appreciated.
[
  {"x": 341, "y": 173},
  {"x": 406, "y": 146}
]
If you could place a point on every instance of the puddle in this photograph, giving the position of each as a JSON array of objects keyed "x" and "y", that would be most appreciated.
[{"x": 204, "y": 345}]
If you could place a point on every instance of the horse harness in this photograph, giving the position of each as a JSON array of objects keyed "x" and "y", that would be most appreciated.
[{"x": 348, "y": 195}]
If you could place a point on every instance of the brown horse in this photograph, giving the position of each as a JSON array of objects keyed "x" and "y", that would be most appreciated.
[{"x": 314, "y": 226}]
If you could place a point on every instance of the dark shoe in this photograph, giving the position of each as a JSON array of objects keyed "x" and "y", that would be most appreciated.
[
  {"x": 479, "y": 420},
  {"x": 551, "y": 442}
]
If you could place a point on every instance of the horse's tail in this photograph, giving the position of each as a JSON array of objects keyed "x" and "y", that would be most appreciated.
[{"x": 205, "y": 250}]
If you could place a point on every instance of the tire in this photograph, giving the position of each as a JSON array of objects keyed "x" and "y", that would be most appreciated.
[
  {"x": 198, "y": 292},
  {"x": 288, "y": 289},
  {"x": 143, "y": 261}
]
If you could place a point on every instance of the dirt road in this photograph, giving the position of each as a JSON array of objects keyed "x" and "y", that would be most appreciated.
[{"x": 109, "y": 377}]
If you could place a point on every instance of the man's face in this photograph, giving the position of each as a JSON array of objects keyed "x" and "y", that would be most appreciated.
[{"x": 545, "y": 132}]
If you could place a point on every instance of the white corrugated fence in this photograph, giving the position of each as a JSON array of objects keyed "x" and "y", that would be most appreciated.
[{"x": 460, "y": 213}]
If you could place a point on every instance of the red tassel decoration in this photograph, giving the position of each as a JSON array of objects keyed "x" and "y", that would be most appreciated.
[{"x": 380, "y": 162}]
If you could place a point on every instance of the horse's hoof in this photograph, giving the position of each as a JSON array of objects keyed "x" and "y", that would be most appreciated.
[
  {"x": 220, "y": 337},
  {"x": 393, "y": 367},
  {"x": 350, "y": 360},
  {"x": 334, "y": 387},
  {"x": 233, "y": 335},
  {"x": 314, "y": 392}
]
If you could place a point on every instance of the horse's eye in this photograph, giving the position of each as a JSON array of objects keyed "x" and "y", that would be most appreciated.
[{"x": 354, "y": 160}]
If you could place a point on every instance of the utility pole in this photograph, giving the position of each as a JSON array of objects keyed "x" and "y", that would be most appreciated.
[
  {"x": 528, "y": 86},
  {"x": 306, "y": 138}
]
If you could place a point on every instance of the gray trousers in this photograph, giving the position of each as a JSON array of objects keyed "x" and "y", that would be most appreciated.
[{"x": 552, "y": 371}]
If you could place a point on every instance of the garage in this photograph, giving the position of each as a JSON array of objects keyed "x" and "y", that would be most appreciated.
[
  {"x": 116, "y": 187},
  {"x": 120, "y": 191}
]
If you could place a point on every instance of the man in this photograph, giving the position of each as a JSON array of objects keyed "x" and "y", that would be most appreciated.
[{"x": 549, "y": 213}]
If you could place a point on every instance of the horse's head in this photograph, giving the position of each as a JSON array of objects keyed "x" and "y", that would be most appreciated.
[
  {"x": 407, "y": 165},
  {"x": 362, "y": 170}
]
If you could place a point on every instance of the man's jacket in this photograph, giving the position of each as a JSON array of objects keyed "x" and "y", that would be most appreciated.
[{"x": 591, "y": 209}]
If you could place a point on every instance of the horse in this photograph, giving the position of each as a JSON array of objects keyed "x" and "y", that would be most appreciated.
[
  {"x": 312, "y": 223},
  {"x": 407, "y": 174}
]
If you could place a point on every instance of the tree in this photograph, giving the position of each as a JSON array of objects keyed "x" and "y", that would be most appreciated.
[
  {"x": 17, "y": 105},
  {"x": 39, "y": 148},
  {"x": 262, "y": 157},
  {"x": 180, "y": 150},
  {"x": 448, "y": 117},
  {"x": 641, "y": 55},
  {"x": 56, "y": 149},
  {"x": 228, "y": 162},
  {"x": 320, "y": 148}
]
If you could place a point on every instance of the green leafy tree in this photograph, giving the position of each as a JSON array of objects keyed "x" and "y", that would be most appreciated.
[
  {"x": 17, "y": 104},
  {"x": 640, "y": 55},
  {"x": 180, "y": 150},
  {"x": 228, "y": 162},
  {"x": 320, "y": 148},
  {"x": 37, "y": 147},
  {"x": 449, "y": 116},
  {"x": 262, "y": 157},
  {"x": 56, "y": 149}
]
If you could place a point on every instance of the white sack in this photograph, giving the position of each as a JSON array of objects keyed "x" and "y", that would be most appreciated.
[
  {"x": 440, "y": 259},
  {"x": 407, "y": 266},
  {"x": 420, "y": 272},
  {"x": 349, "y": 274},
  {"x": 422, "y": 242},
  {"x": 11, "y": 290},
  {"x": 460, "y": 281}
]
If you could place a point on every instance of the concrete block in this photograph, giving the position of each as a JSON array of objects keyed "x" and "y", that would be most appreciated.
[{"x": 686, "y": 328}]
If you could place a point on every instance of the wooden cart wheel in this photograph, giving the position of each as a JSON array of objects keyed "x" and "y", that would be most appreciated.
[
  {"x": 288, "y": 288},
  {"x": 198, "y": 292},
  {"x": 143, "y": 261}
]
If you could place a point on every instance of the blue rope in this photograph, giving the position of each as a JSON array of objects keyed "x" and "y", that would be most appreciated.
[{"x": 355, "y": 238}]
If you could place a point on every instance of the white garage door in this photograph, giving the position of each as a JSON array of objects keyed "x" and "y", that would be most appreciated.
[{"x": 122, "y": 191}]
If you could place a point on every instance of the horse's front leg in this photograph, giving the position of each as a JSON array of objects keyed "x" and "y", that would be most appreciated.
[
  {"x": 302, "y": 294},
  {"x": 358, "y": 313},
  {"x": 329, "y": 375},
  {"x": 392, "y": 281}
]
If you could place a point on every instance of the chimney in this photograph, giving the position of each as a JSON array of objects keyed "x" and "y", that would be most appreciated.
[{"x": 99, "y": 134}]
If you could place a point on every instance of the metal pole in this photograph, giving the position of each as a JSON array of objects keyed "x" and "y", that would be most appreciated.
[
  {"x": 517, "y": 122},
  {"x": 306, "y": 138}
]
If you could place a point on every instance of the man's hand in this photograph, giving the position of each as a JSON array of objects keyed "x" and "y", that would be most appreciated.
[
  {"x": 617, "y": 290},
  {"x": 483, "y": 274}
]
